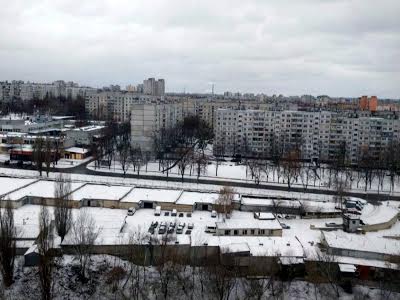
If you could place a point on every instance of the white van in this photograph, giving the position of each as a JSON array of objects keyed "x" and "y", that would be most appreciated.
[
  {"x": 157, "y": 211},
  {"x": 211, "y": 228},
  {"x": 131, "y": 211},
  {"x": 174, "y": 213}
]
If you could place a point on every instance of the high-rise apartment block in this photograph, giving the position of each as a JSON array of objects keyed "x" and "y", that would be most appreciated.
[
  {"x": 24, "y": 91},
  {"x": 154, "y": 87},
  {"x": 319, "y": 134}
]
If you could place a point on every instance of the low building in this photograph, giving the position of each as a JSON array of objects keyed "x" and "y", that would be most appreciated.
[
  {"x": 351, "y": 222},
  {"x": 249, "y": 228},
  {"x": 76, "y": 153},
  {"x": 340, "y": 243},
  {"x": 84, "y": 136}
]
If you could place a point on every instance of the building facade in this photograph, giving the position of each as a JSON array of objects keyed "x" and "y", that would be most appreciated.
[{"x": 319, "y": 135}]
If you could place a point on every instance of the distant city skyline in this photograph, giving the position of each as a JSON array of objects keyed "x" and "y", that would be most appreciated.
[{"x": 337, "y": 48}]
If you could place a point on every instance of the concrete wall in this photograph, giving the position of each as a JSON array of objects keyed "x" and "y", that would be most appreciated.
[{"x": 381, "y": 226}]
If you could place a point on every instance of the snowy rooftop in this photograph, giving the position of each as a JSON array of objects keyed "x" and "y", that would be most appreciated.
[
  {"x": 42, "y": 188},
  {"x": 316, "y": 206},
  {"x": 8, "y": 184},
  {"x": 89, "y": 128},
  {"x": 191, "y": 198},
  {"x": 156, "y": 195},
  {"x": 343, "y": 240},
  {"x": 100, "y": 191},
  {"x": 249, "y": 223},
  {"x": 77, "y": 150},
  {"x": 270, "y": 202}
]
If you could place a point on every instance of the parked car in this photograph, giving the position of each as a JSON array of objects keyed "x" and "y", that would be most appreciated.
[
  {"x": 154, "y": 224},
  {"x": 166, "y": 214},
  {"x": 189, "y": 214},
  {"x": 213, "y": 214},
  {"x": 190, "y": 225},
  {"x": 172, "y": 224},
  {"x": 188, "y": 232},
  {"x": 157, "y": 211},
  {"x": 179, "y": 230},
  {"x": 284, "y": 226},
  {"x": 151, "y": 230},
  {"x": 211, "y": 228},
  {"x": 181, "y": 215},
  {"x": 173, "y": 213},
  {"x": 181, "y": 225},
  {"x": 131, "y": 211},
  {"x": 162, "y": 229},
  {"x": 170, "y": 230}
]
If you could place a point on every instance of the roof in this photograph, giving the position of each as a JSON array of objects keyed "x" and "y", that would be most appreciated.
[
  {"x": 248, "y": 224},
  {"x": 264, "y": 216},
  {"x": 191, "y": 198},
  {"x": 155, "y": 195},
  {"x": 77, "y": 150},
  {"x": 354, "y": 242},
  {"x": 235, "y": 248},
  {"x": 100, "y": 192}
]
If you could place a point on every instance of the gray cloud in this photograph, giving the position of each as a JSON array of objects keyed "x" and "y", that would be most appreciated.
[{"x": 344, "y": 48}]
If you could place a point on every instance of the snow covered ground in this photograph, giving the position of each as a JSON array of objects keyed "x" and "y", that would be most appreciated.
[
  {"x": 67, "y": 284},
  {"x": 151, "y": 183},
  {"x": 65, "y": 163},
  {"x": 240, "y": 173}
]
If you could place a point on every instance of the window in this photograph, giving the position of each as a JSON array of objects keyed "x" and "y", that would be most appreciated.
[
  {"x": 261, "y": 231},
  {"x": 244, "y": 231},
  {"x": 227, "y": 232},
  {"x": 252, "y": 231},
  {"x": 236, "y": 232}
]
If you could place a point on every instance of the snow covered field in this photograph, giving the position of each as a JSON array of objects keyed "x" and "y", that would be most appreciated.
[
  {"x": 240, "y": 173},
  {"x": 161, "y": 184}
]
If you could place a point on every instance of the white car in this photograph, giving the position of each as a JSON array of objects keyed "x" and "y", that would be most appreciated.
[
  {"x": 131, "y": 211},
  {"x": 213, "y": 214}
]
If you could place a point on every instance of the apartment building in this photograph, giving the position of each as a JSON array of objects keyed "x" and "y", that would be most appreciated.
[
  {"x": 20, "y": 90},
  {"x": 154, "y": 87},
  {"x": 115, "y": 106},
  {"x": 148, "y": 120},
  {"x": 319, "y": 135}
]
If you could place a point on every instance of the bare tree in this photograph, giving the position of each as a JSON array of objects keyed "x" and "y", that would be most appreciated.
[
  {"x": 45, "y": 244},
  {"x": 201, "y": 161},
  {"x": 83, "y": 237},
  {"x": 8, "y": 235},
  {"x": 38, "y": 154},
  {"x": 136, "y": 158},
  {"x": 123, "y": 149},
  {"x": 184, "y": 161},
  {"x": 221, "y": 281},
  {"x": 224, "y": 203},
  {"x": 62, "y": 209},
  {"x": 219, "y": 151},
  {"x": 291, "y": 166},
  {"x": 340, "y": 187},
  {"x": 325, "y": 269},
  {"x": 137, "y": 264},
  {"x": 48, "y": 155}
]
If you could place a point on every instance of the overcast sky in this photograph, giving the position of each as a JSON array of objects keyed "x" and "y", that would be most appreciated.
[{"x": 334, "y": 47}]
